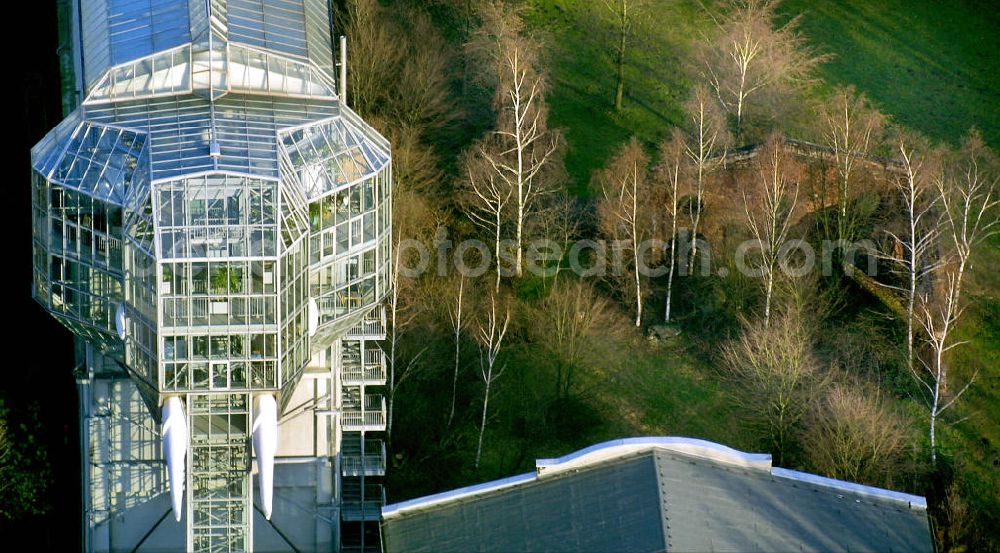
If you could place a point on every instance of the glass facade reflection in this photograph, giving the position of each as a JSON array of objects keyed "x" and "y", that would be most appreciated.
[{"x": 212, "y": 223}]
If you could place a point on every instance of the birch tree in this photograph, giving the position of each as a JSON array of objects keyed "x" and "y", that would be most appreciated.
[
  {"x": 966, "y": 185},
  {"x": 938, "y": 317},
  {"x": 484, "y": 197},
  {"x": 624, "y": 215},
  {"x": 672, "y": 155},
  {"x": 400, "y": 317},
  {"x": 749, "y": 56},
  {"x": 457, "y": 325},
  {"x": 490, "y": 337},
  {"x": 968, "y": 190},
  {"x": 910, "y": 250},
  {"x": 524, "y": 159},
  {"x": 769, "y": 211},
  {"x": 851, "y": 129},
  {"x": 559, "y": 222},
  {"x": 707, "y": 139}
]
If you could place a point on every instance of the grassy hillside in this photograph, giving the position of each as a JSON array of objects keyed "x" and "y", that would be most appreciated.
[
  {"x": 930, "y": 64},
  {"x": 582, "y": 77}
]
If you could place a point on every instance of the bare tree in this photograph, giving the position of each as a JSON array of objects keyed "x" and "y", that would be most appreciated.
[
  {"x": 769, "y": 211},
  {"x": 400, "y": 317},
  {"x": 954, "y": 521},
  {"x": 967, "y": 188},
  {"x": 910, "y": 250},
  {"x": 707, "y": 131},
  {"x": 852, "y": 435},
  {"x": 490, "y": 337},
  {"x": 672, "y": 156},
  {"x": 416, "y": 166},
  {"x": 776, "y": 376},
  {"x": 457, "y": 325},
  {"x": 967, "y": 191},
  {"x": 558, "y": 222},
  {"x": 485, "y": 196},
  {"x": 524, "y": 159},
  {"x": 573, "y": 314},
  {"x": 399, "y": 79},
  {"x": 4, "y": 453},
  {"x": 413, "y": 57},
  {"x": 851, "y": 128},
  {"x": 375, "y": 53},
  {"x": 625, "y": 13},
  {"x": 421, "y": 96},
  {"x": 938, "y": 317},
  {"x": 625, "y": 214},
  {"x": 750, "y": 55}
]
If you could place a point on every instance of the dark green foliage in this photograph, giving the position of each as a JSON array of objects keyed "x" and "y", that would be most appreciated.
[{"x": 24, "y": 467}]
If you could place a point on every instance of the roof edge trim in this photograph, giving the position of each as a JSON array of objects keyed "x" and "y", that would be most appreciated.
[
  {"x": 910, "y": 501},
  {"x": 625, "y": 446},
  {"x": 616, "y": 449},
  {"x": 396, "y": 509}
]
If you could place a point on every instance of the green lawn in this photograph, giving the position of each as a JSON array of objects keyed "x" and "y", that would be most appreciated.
[
  {"x": 583, "y": 77},
  {"x": 931, "y": 64}
]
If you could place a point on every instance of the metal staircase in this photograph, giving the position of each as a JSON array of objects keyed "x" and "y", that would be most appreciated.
[{"x": 362, "y": 374}]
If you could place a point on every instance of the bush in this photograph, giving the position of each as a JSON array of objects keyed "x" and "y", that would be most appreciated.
[{"x": 853, "y": 436}]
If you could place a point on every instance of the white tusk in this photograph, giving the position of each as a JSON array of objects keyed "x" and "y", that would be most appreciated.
[
  {"x": 265, "y": 445},
  {"x": 175, "y": 440}
]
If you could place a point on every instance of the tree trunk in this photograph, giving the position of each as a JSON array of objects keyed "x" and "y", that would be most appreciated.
[
  {"x": 767, "y": 298},
  {"x": 521, "y": 199},
  {"x": 482, "y": 424},
  {"x": 392, "y": 380},
  {"x": 497, "y": 251},
  {"x": 933, "y": 421},
  {"x": 670, "y": 279},
  {"x": 620, "y": 86},
  {"x": 458, "y": 335},
  {"x": 909, "y": 307},
  {"x": 696, "y": 215},
  {"x": 638, "y": 282}
]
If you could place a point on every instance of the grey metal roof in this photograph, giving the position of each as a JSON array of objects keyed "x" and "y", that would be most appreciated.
[{"x": 661, "y": 499}]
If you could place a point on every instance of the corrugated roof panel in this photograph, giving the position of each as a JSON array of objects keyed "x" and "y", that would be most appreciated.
[
  {"x": 274, "y": 25},
  {"x": 139, "y": 28},
  {"x": 742, "y": 509},
  {"x": 96, "y": 39},
  {"x": 318, "y": 37},
  {"x": 118, "y": 31},
  {"x": 612, "y": 507}
]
